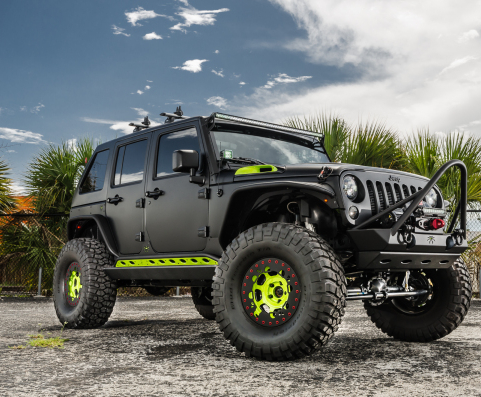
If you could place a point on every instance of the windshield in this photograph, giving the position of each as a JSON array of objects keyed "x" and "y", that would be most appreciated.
[{"x": 269, "y": 150}]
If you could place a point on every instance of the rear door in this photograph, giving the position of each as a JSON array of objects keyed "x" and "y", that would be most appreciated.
[
  {"x": 125, "y": 196},
  {"x": 173, "y": 219}
]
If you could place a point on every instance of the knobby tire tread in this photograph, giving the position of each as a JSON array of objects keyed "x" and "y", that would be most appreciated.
[
  {"x": 99, "y": 300},
  {"x": 328, "y": 299},
  {"x": 449, "y": 318}
]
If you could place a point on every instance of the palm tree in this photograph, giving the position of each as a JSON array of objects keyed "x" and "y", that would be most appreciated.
[
  {"x": 53, "y": 175},
  {"x": 426, "y": 152},
  {"x": 7, "y": 201},
  {"x": 369, "y": 143}
]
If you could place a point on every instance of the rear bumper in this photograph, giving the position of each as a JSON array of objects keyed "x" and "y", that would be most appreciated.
[{"x": 377, "y": 249}]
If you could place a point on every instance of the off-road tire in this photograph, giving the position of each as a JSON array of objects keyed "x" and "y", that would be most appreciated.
[
  {"x": 157, "y": 291},
  {"x": 98, "y": 293},
  {"x": 323, "y": 295},
  {"x": 202, "y": 297},
  {"x": 453, "y": 298}
]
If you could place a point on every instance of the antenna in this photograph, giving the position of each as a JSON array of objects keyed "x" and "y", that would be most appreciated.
[
  {"x": 171, "y": 117},
  {"x": 139, "y": 127}
]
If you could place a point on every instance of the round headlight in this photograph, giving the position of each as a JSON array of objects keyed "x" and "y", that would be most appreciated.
[
  {"x": 431, "y": 199},
  {"x": 349, "y": 186}
]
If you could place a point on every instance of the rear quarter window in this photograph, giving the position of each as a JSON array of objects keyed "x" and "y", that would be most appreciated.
[{"x": 94, "y": 181}]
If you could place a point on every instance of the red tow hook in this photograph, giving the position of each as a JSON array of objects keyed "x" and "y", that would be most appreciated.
[{"x": 437, "y": 224}]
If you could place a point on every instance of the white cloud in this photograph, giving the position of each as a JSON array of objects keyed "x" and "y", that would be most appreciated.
[
  {"x": 220, "y": 73},
  {"x": 23, "y": 108},
  {"x": 72, "y": 143},
  {"x": 391, "y": 54},
  {"x": 194, "y": 65},
  {"x": 192, "y": 16},
  {"x": 117, "y": 30},
  {"x": 283, "y": 78},
  {"x": 140, "y": 14},
  {"x": 217, "y": 101},
  {"x": 141, "y": 112},
  {"x": 152, "y": 36},
  {"x": 37, "y": 108},
  {"x": 140, "y": 92},
  {"x": 458, "y": 62},
  {"x": 149, "y": 81},
  {"x": 242, "y": 83},
  {"x": 121, "y": 126},
  {"x": 469, "y": 35},
  {"x": 18, "y": 189},
  {"x": 20, "y": 136},
  {"x": 11, "y": 151},
  {"x": 147, "y": 87},
  {"x": 216, "y": 51}
]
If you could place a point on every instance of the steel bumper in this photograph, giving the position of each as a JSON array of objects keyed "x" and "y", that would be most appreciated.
[{"x": 377, "y": 249}]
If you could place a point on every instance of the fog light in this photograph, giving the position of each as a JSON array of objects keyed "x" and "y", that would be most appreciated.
[{"x": 353, "y": 212}]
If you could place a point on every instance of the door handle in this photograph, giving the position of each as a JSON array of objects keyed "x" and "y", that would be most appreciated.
[
  {"x": 155, "y": 193},
  {"x": 114, "y": 200}
]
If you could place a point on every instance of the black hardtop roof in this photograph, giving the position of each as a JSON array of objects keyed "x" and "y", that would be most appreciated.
[{"x": 220, "y": 118}]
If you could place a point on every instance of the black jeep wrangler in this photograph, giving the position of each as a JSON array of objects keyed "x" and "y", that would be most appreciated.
[{"x": 272, "y": 237}]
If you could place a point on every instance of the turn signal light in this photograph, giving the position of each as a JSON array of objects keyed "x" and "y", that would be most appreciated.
[{"x": 437, "y": 224}]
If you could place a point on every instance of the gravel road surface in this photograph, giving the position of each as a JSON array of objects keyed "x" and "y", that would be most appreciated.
[{"x": 161, "y": 346}]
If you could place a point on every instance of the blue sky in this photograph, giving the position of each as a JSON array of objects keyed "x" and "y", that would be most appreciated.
[{"x": 75, "y": 69}]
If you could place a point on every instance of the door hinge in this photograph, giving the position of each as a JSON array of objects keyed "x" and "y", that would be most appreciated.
[
  {"x": 140, "y": 203},
  {"x": 203, "y": 232},
  {"x": 139, "y": 236},
  {"x": 204, "y": 193}
]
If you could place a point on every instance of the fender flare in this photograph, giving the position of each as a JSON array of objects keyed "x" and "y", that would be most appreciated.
[{"x": 103, "y": 227}]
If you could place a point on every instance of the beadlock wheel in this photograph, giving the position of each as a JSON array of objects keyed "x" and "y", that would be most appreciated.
[
  {"x": 258, "y": 305},
  {"x": 73, "y": 284},
  {"x": 270, "y": 292}
]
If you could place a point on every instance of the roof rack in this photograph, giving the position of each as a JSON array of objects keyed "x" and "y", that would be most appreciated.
[
  {"x": 243, "y": 120},
  {"x": 140, "y": 127},
  {"x": 171, "y": 117}
]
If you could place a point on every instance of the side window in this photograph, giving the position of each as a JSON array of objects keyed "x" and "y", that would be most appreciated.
[
  {"x": 95, "y": 178},
  {"x": 130, "y": 163},
  {"x": 169, "y": 143}
]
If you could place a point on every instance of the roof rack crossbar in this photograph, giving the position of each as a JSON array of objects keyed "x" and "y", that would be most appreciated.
[
  {"x": 244, "y": 120},
  {"x": 178, "y": 114},
  {"x": 140, "y": 127}
]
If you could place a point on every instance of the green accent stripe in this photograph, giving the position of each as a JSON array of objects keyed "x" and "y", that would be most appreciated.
[
  {"x": 255, "y": 169},
  {"x": 192, "y": 261}
]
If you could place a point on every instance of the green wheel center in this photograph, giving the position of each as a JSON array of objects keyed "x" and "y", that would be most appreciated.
[
  {"x": 270, "y": 292},
  {"x": 74, "y": 285},
  {"x": 273, "y": 293}
]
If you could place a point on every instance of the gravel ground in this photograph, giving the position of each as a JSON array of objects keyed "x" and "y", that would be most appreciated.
[{"x": 161, "y": 346}]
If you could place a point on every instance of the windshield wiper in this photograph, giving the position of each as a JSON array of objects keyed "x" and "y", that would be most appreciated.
[{"x": 245, "y": 160}]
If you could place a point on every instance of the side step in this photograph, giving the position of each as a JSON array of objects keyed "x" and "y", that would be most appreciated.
[{"x": 189, "y": 273}]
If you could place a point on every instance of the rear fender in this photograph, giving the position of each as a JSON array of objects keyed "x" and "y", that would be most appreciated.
[{"x": 77, "y": 225}]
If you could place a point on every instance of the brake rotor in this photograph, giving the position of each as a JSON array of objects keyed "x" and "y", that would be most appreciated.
[{"x": 270, "y": 292}]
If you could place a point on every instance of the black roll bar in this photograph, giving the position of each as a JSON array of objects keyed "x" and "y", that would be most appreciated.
[{"x": 460, "y": 208}]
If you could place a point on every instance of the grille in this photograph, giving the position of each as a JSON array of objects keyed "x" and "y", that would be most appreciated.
[
  {"x": 382, "y": 197},
  {"x": 380, "y": 194},
  {"x": 390, "y": 196},
  {"x": 372, "y": 198}
]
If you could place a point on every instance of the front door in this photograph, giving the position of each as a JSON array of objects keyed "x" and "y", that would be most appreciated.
[
  {"x": 125, "y": 197},
  {"x": 174, "y": 218}
]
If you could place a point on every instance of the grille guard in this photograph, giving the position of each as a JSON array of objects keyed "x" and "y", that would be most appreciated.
[{"x": 460, "y": 210}]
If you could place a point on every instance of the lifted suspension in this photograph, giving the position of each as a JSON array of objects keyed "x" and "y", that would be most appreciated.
[{"x": 388, "y": 293}]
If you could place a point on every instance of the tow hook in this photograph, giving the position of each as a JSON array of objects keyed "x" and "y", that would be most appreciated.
[{"x": 405, "y": 236}]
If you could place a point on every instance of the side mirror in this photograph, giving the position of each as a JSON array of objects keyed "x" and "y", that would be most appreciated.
[{"x": 187, "y": 161}]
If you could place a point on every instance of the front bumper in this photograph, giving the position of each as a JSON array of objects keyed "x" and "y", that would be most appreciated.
[{"x": 377, "y": 249}]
